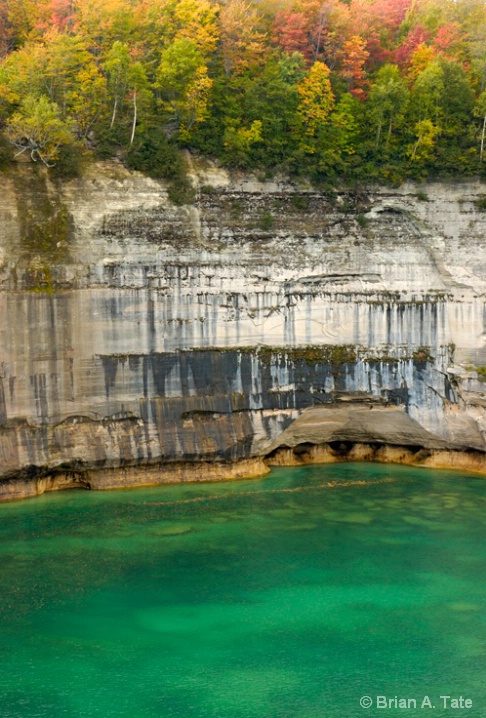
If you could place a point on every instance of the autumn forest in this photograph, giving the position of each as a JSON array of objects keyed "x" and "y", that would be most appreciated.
[{"x": 328, "y": 89}]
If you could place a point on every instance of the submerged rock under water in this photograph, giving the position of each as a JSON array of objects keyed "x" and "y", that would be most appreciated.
[{"x": 294, "y": 595}]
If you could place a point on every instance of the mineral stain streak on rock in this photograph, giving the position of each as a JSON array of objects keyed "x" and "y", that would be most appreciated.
[{"x": 142, "y": 342}]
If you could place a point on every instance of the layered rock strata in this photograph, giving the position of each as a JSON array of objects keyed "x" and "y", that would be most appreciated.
[{"x": 143, "y": 342}]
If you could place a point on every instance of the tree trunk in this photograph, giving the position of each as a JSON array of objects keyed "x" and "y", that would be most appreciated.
[
  {"x": 134, "y": 123},
  {"x": 115, "y": 105},
  {"x": 318, "y": 45},
  {"x": 482, "y": 140},
  {"x": 389, "y": 131},
  {"x": 322, "y": 20},
  {"x": 483, "y": 79},
  {"x": 378, "y": 135}
]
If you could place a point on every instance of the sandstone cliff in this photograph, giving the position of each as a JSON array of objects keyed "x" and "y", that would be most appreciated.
[{"x": 135, "y": 333}]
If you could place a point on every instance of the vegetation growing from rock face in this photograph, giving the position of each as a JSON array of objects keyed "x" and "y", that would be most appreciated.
[{"x": 355, "y": 89}]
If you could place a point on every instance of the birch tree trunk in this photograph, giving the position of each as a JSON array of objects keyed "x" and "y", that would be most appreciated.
[
  {"x": 134, "y": 123},
  {"x": 482, "y": 139}
]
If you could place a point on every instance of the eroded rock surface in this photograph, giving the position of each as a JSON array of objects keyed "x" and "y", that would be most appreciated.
[{"x": 135, "y": 333}]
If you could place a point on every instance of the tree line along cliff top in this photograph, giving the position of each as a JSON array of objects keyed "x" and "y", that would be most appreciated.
[{"x": 327, "y": 89}]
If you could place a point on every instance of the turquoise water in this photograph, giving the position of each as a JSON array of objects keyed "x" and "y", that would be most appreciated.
[{"x": 290, "y": 596}]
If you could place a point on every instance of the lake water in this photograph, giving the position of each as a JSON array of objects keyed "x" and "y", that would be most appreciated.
[{"x": 286, "y": 597}]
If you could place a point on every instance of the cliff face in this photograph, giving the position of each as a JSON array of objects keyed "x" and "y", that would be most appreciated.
[{"x": 134, "y": 332}]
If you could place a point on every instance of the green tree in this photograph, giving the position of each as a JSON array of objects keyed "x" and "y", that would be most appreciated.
[
  {"x": 422, "y": 149},
  {"x": 480, "y": 111},
  {"x": 458, "y": 102},
  {"x": 428, "y": 92},
  {"x": 238, "y": 141},
  {"x": 60, "y": 69},
  {"x": 116, "y": 68},
  {"x": 271, "y": 98},
  {"x": 73, "y": 81},
  {"x": 87, "y": 101},
  {"x": 182, "y": 78},
  {"x": 140, "y": 93},
  {"x": 442, "y": 94},
  {"x": 345, "y": 126},
  {"x": 23, "y": 72},
  {"x": 37, "y": 128},
  {"x": 387, "y": 100}
]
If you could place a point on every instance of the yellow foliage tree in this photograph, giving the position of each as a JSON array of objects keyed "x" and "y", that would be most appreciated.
[
  {"x": 421, "y": 58},
  {"x": 242, "y": 40},
  {"x": 101, "y": 23},
  {"x": 316, "y": 99},
  {"x": 163, "y": 23},
  {"x": 422, "y": 149}
]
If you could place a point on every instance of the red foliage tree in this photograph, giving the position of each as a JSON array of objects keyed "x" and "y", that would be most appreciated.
[
  {"x": 55, "y": 13},
  {"x": 377, "y": 22},
  {"x": 291, "y": 33},
  {"x": 329, "y": 27},
  {"x": 448, "y": 40},
  {"x": 417, "y": 36},
  {"x": 354, "y": 56}
]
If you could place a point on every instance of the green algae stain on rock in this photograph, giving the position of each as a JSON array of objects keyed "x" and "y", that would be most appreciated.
[
  {"x": 311, "y": 354},
  {"x": 46, "y": 231}
]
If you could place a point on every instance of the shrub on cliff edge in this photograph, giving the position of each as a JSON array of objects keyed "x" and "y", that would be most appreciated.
[{"x": 156, "y": 156}]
